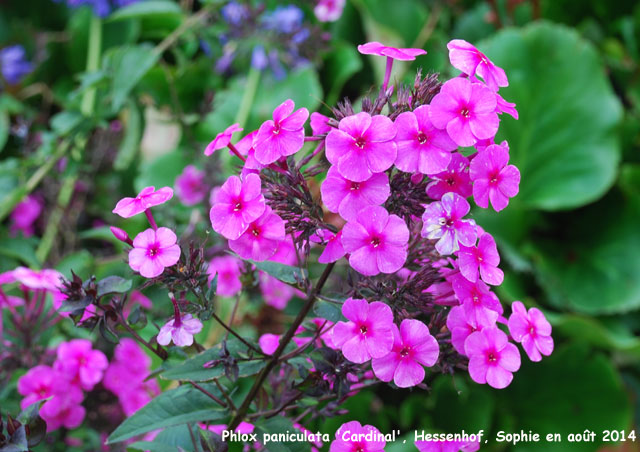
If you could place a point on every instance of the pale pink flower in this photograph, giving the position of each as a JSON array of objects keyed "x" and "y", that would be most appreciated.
[
  {"x": 237, "y": 204},
  {"x": 484, "y": 258},
  {"x": 348, "y": 197},
  {"x": 282, "y": 136},
  {"x": 329, "y": 10},
  {"x": 362, "y": 145},
  {"x": 466, "y": 110},
  {"x": 228, "y": 269},
  {"x": 377, "y": 241},
  {"x": 369, "y": 332},
  {"x": 493, "y": 179},
  {"x": 261, "y": 239},
  {"x": 79, "y": 362},
  {"x": 352, "y": 437},
  {"x": 532, "y": 330},
  {"x": 444, "y": 221},
  {"x": 153, "y": 251},
  {"x": 421, "y": 147},
  {"x": 492, "y": 358},
  {"x": 413, "y": 348},
  {"x": 468, "y": 59},
  {"x": 222, "y": 140},
  {"x": 190, "y": 187},
  {"x": 181, "y": 333},
  {"x": 147, "y": 198}
]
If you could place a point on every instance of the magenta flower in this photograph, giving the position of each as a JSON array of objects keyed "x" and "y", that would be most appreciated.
[
  {"x": 493, "y": 179},
  {"x": 275, "y": 293},
  {"x": 222, "y": 140},
  {"x": 466, "y": 110},
  {"x": 375, "y": 48},
  {"x": 153, "y": 251},
  {"x": 483, "y": 257},
  {"x": 421, "y": 147},
  {"x": 447, "y": 446},
  {"x": 319, "y": 124},
  {"x": 286, "y": 253},
  {"x": 468, "y": 59},
  {"x": 532, "y": 330},
  {"x": 245, "y": 148},
  {"x": 460, "y": 327},
  {"x": 369, "y": 332},
  {"x": 228, "y": 270},
  {"x": 329, "y": 10},
  {"x": 333, "y": 251},
  {"x": 377, "y": 241},
  {"x": 454, "y": 179},
  {"x": 79, "y": 362},
  {"x": 282, "y": 136},
  {"x": 181, "y": 332},
  {"x": 347, "y": 197},
  {"x": 237, "y": 204},
  {"x": 506, "y": 107},
  {"x": 480, "y": 304},
  {"x": 63, "y": 410},
  {"x": 362, "y": 145},
  {"x": 190, "y": 187},
  {"x": 269, "y": 343},
  {"x": 443, "y": 221},
  {"x": 147, "y": 198},
  {"x": 128, "y": 351},
  {"x": 413, "y": 347},
  {"x": 492, "y": 358},
  {"x": 352, "y": 437},
  {"x": 138, "y": 396},
  {"x": 261, "y": 239},
  {"x": 24, "y": 215}
]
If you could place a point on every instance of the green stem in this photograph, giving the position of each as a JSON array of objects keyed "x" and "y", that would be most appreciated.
[
  {"x": 249, "y": 95},
  {"x": 50, "y": 233},
  {"x": 93, "y": 63}
]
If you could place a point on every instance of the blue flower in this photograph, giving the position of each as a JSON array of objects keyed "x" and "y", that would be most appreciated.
[
  {"x": 259, "y": 58},
  {"x": 285, "y": 19},
  {"x": 13, "y": 64},
  {"x": 234, "y": 13}
]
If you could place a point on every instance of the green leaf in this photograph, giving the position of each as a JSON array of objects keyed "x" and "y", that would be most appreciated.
[
  {"x": 129, "y": 64},
  {"x": 161, "y": 171},
  {"x": 81, "y": 262},
  {"x": 4, "y": 128},
  {"x": 285, "y": 273},
  {"x": 131, "y": 140},
  {"x": 168, "y": 440},
  {"x": 177, "y": 406},
  {"x": 330, "y": 311},
  {"x": 592, "y": 264},
  {"x": 193, "y": 369},
  {"x": 565, "y": 143},
  {"x": 22, "y": 249},
  {"x": 147, "y": 9},
  {"x": 64, "y": 122},
  {"x": 275, "y": 426},
  {"x": 571, "y": 391},
  {"x": 341, "y": 63},
  {"x": 113, "y": 284}
]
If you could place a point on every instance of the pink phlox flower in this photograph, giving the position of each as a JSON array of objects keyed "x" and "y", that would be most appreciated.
[
  {"x": 333, "y": 251},
  {"x": 413, "y": 348},
  {"x": 402, "y": 54},
  {"x": 153, "y": 251},
  {"x": 447, "y": 446},
  {"x": 362, "y": 145},
  {"x": 269, "y": 343},
  {"x": 222, "y": 140},
  {"x": 351, "y": 437},
  {"x": 493, "y": 179},
  {"x": 348, "y": 197},
  {"x": 421, "y": 147},
  {"x": 454, "y": 179},
  {"x": 182, "y": 334},
  {"x": 329, "y": 10},
  {"x": 532, "y": 330},
  {"x": 460, "y": 327},
  {"x": 238, "y": 203},
  {"x": 286, "y": 253},
  {"x": 368, "y": 333},
  {"x": 492, "y": 358},
  {"x": 483, "y": 257},
  {"x": 319, "y": 124},
  {"x": 275, "y": 293},
  {"x": 443, "y": 221},
  {"x": 128, "y": 351},
  {"x": 79, "y": 361},
  {"x": 479, "y": 303},
  {"x": 228, "y": 269},
  {"x": 466, "y": 110},
  {"x": 138, "y": 396},
  {"x": 261, "y": 239},
  {"x": 282, "y": 136},
  {"x": 377, "y": 241},
  {"x": 63, "y": 410},
  {"x": 506, "y": 107},
  {"x": 147, "y": 198},
  {"x": 190, "y": 187},
  {"x": 468, "y": 59},
  {"x": 24, "y": 215}
]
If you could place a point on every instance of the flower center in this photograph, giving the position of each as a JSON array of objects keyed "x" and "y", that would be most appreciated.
[
  {"x": 465, "y": 112},
  {"x": 360, "y": 142},
  {"x": 237, "y": 207},
  {"x": 405, "y": 351},
  {"x": 476, "y": 298},
  {"x": 532, "y": 330},
  {"x": 276, "y": 128},
  {"x": 153, "y": 250},
  {"x": 363, "y": 329},
  {"x": 255, "y": 231},
  {"x": 355, "y": 186},
  {"x": 451, "y": 181},
  {"x": 422, "y": 138},
  {"x": 494, "y": 178},
  {"x": 491, "y": 357},
  {"x": 375, "y": 241}
]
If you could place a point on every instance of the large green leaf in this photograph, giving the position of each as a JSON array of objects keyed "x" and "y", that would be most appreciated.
[
  {"x": 285, "y": 273},
  {"x": 269, "y": 430},
  {"x": 565, "y": 142},
  {"x": 128, "y": 65},
  {"x": 176, "y": 406}
]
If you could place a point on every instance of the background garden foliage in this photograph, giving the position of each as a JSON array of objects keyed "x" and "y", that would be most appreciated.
[{"x": 162, "y": 84}]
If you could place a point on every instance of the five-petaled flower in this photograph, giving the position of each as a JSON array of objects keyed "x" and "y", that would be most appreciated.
[
  {"x": 153, "y": 250},
  {"x": 443, "y": 220},
  {"x": 468, "y": 59},
  {"x": 282, "y": 136},
  {"x": 237, "y": 204},
  {"x": 262, "y": 237},
  {"x": 492, "y": 358},
  {"x": 483, "y": 257},
  {"x": 147, "y": 198},
  {"x": 181, "y": 332},
  {"x": 493, "y": 179},
  {"x": 222, "y": 140},
  {"x": 532, "y": 330},
  {"x": 354, "y": 437}
]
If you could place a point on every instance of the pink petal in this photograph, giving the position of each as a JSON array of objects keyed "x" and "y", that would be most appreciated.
[
  {"x": 408, "y": 373},
  {"x": 498, "y": 378},
  {"x": 356, "y": 310}
]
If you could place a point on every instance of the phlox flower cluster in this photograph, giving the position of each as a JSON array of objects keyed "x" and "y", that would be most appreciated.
[
  {"x": 394, "y": 203},
  {"x": 77, "y": 368}
]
